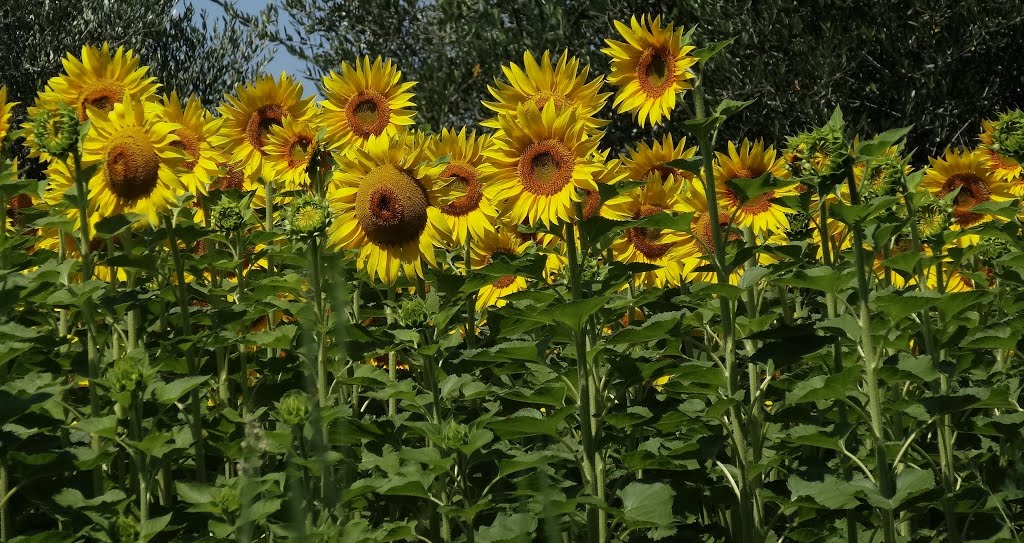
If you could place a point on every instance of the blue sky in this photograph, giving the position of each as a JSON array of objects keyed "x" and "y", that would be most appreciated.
[{"x": 282, "y": 60}]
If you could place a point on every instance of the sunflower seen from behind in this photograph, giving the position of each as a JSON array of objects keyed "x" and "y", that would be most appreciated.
[
  {"x": 968, "y": 173},
  {"x": 762, "y": 213},
  {"x": 252, "y": 112},
  {"x": 667, "y": 249},
  {"x": 538, "y": 161},
  {"x": 469, "y": 213},
  {"x": 650, "y": 68},
  {"x": 138, "y": 161},
  {"x": 1004, "y": 167},
  {"x": 564, "y": 83},
  {"x": 503, "y": 240},
  {"x": 196, "y": 132},
  {"x": 101, "y": 79},
  {"x": 384, "y": 197},
  {"x": 365, "y": 100}
]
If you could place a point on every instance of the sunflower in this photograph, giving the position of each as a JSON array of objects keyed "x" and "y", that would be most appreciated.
[
  {"x": 609, "y": 172},
  {"x": 1004, "y": 168},
  {"x": 289, "y": 150},
  {"x": 249, "y": 116},
  {"x": 646, "y": 159},
  {"x": 538, "y": 160},
  {"x": 138, "y": 161},
  {"x": 384, "y": 199},
  {"x": 101, "y": 79},
  {"x": 762, "y": 214},
  {"x": 501, "y": 241},
  {"x": 60, "y": 179},
  {"x": 900, "y": 246},
  {"x": 540, "y": 82},
  {"x": 195, "y": 138},
  {"x": 650, "y": 67},
  {"x": 471, "y": 214},
  {"x": 45, "y": 105},
  {"x": 700, "y": 237},
  {"x": 970, "y": 172},
  {"x": 669, "y": 250},
  {"x": 5, "y": 113},
  {"x": 366, "y": 100}
]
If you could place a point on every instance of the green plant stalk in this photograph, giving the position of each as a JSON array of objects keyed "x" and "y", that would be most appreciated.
[
  {"x": 750, "y": 527},
  {"x": 181, "y": 294},
  {"x": 5, "y": 483},
  {"x": 140, "y": 457},
  {"x": 945, "y": 439},
  {"x": 883, "y": 472},
  {"x": 837, "y": 347},
  {"x": 393, "y": 355},
  {"x": 316, "y": 282},
  {"x": 92, "y": 354},
  {"x": 471, "y": 297},
  {"x": 238, "y": 249},
  {"x": 268, "y": 224}
]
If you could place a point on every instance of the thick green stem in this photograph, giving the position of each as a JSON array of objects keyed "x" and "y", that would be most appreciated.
[
  {"x": 471, "y": 298},
  {"x": 5, "y": 483},
  {"x": 393, "y": 355},
  {"x": 181, "y": 293},
  {"x": 587, "y": 407}
]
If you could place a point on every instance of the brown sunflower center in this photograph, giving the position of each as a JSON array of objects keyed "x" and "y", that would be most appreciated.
[
  {"x": 656, "y": 71},
  {"x": 132, "y": 166},
  {"x": 973, "y": 191},
  {"x": 591, "y": 203},
  {"x": 545, "y": 167},
  {"x": 298, "y": 151},
  {"x": 504, "y": 281},
  {"x": 368, "y": 113},
  {"x": 701, "y": 228},
  {"x": 233, "y": 179},
  {"x": 645, "y": 239},
  {"x": 391, "y": 207},
  {"x": 464, "y": 178},
  {"x": 188, "y": 141},
  {"x": 16, "y": 207},
  {"x": 670, "y": 173},
  {"x": 101, "y": 94},
  {"x": 258, "y": 127}
]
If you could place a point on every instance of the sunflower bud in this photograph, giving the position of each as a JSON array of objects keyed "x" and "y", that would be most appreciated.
[
  {"x": 227, "y": 501},
  {"x": 933, "y": 218},
  {"x": 130, "y": 371},
  {"x": 292, "y": 408},
  {"x": 308, "y": 218},
  {"x": 226, "y": 217},
  {"x": 1008, "y": 134},
  {"x": 56, "y": 130},
  {"x": 882, "y": 178},
  {"x": 819, "y": 152},
  {"x": 412, "y": 311},
  {"x": 126, "y": 529}
]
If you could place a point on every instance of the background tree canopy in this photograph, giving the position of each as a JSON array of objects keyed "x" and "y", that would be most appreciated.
[
  {"x": 188, "y": 52},
  {"x": 939, "y": 64}
]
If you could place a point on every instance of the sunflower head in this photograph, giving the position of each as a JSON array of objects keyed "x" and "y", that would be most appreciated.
[
  {"x": 1008, "y": 134},
  {"x": 933, "y": 216},
  {"x": 467, "y": 209},
  {"x": 226, "y": 216},
  {"x": 542, "y": 81},
  {"x": 967, "y": 175},
  {"x": 644, "y": 160},
  {"x": 740, "y": 166},
  {"x": 539, "y": 160},
  {"x": 196, "y": 132},
  {"x": 290, "y": 149},
  {"x": 650, "y": 68},
  {"x": 138, "y": 161},
  {"x": 384, "y": 198},
  {"x": 101, "y": 79},
  {"x": 504, "y": 240},
  {"x": 817, "y": 153},
  {"x": 365, "y": 100},
  {"x": 293, "y": 408},
  {"x": 1004, "y": 167},
  {"x": 56, "y": 130},
  {"x": 5, "y": 113},
  {"x": 252, "y": 112},
  {"x": 308, "y": 217}
]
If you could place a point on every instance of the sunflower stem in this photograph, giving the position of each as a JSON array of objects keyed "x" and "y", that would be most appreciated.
[
  {"x": 471, "y": 297},
  {"x": 883, "y": 471},
  {"x": 92, "y": 356},
  {"x": 392, "y": 355},
  {"x": 596, "y": 517},
  {"x": 181, "y": 293}
]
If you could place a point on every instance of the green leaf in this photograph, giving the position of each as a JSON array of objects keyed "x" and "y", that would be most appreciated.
[
  {"x": 508, "y": 528},
  {"x": 168, "y": 393},
  {"x": 574, "y": 314},
  {"x": 152, "y": 527},
  {"x": 821, "y": 387},
  {"x": 876, "y": 147},
  {"x": 727, "y": 108},
  {"x": 280, "y": 337},
  {"x": 821, "y": 278},
  {"x": 694, "y": 165},
  {"x": 831, "y": 493},
  {"x": 655, "y": 328},
  {"x": 852, "y": 215},
  {"x": 705, "y": 53},
  {"x": 647, "y": 505}
]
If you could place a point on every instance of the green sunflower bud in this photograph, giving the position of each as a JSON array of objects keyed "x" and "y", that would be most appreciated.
[
  {"x": 126, "y": 529},
  {"x": 293, "y": 408},
  {"x": 129, "y": 371},
  {"x": 933, "y": 218},
  {"x": 1008, "y": 134},
  {"x": 882, "y": 178},
  {"x": 226, "y": 217},
  {"x": 308, "y": 218},
  {"x": 818, "y": 152},
  {"x": 56, "y": 130},
  {"x": 412, "y": 311},
  {"x": 227, "y": 501}
]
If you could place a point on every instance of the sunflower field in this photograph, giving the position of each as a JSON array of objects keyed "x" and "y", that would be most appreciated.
[{"x": 307, "y": 319}]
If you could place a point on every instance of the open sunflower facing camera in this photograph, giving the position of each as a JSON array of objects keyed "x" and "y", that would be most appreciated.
[
  {"x": 563, "y": 83},
  {"x": 503, "y": 240},
  {"x": 197, "y": 129},
  {"x": 761, "y": 213},
  {"x": 538, "y": 161},
  {"x": 650, "y": 68},
  {"x": 101, "y": 79},
  {"x": 252, "y": 112},
  {"x": 384, "y": 197},
  {"x": 970, "y": 174},
  {"x": 471, "y": 214},
  {"x": 366, "y": 100},
  {"x": 138, "y": 161}
]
